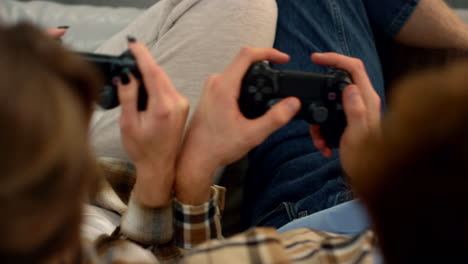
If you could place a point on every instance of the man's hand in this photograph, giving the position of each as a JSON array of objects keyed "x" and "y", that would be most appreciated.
[
  {"x": 434, "y": 24},
  {"x": 219, "y": 134},
  {"x": 152, "y": 138},
  {"x": 361, "y": 105}
]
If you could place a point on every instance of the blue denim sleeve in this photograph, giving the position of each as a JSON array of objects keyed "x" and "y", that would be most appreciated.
[{"x": 389, "y": 16}]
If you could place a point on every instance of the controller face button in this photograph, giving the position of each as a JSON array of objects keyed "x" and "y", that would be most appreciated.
[
  {"x": 319, "y": 113},
  {"x": 267, "y": 90},
  {"x": 332, "y": 96},
  {"x": 339, "y": 107},
  {"x": 258, "y": 97},
  {"x": 253, "y": 89}
]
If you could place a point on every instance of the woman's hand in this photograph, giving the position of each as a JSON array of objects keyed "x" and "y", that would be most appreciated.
[
  {"x": 361, "y": 105},
  {"x": 219, "y": 134},
  {"x": 152, "y": 138},
  {"x": 56, "y": 32}
]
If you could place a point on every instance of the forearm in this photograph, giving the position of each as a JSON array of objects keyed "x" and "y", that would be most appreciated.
[
  {"x": 194, "y": 178},
  {"x": 434, "y": 25},
  {"x": 153, "y": 186}
]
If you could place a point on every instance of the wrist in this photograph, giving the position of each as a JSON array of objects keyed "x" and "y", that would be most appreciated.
[
  {"x": 153, "y": 186},
  {"x": 194, "y": 179}
]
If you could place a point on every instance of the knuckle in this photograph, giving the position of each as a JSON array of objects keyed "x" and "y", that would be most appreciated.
[
  {"x": 155, "y": 69},
  {"x": 167, "y": 110},
  {"x": 247, "y": 51},
  {"x": 125, "y": 125},
  {"x": 151, "y": 70},
  {"x": 216, "y": 83},
  {"x": 279, "y": 119},
  {"x": 184, "y": 103},
  {"x": 163, "y": 113},
  {"x": 249, "y": 138},
  {"x": 211, "y": 79},
  {"x": 360, "y": 111},
  {"x": 378, "y": 101},
  {"x": 358, "y": 64}
]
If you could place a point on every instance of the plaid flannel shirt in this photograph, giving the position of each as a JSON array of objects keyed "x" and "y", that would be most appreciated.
[{"x": 192, "y": 234}]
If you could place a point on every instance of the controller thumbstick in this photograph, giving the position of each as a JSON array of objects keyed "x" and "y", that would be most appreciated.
[
  {"x": 272, "y": 102},
  {"x": 318, "y": 113}
]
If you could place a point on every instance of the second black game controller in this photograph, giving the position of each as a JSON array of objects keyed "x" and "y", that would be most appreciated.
[
  {"x": 113, "y": 69},
  {"x": 320, "y": 95}
]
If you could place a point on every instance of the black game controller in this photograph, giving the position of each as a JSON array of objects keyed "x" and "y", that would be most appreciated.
[
  {"x": 112, "y": 68},
  {"x": 320, "y": 95}
]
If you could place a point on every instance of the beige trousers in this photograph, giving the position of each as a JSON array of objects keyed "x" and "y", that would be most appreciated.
[{"x": 190, "y": 39}]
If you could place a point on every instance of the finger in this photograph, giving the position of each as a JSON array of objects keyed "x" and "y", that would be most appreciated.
[
  {"x": 249, "y": 55},
  {"x": 359, "y": 74},
  {"x": 154, "y": 78},
  {"x": 237, "y": 69},
  {"x": 278, "y": 116},
  {"x": 56, "y": 32},
  {"x": 319, "y": 141},
  {"x": 355, "y": 111},
  {"x": 353, "y": 66},
  {"x": 128, "y": 97}
]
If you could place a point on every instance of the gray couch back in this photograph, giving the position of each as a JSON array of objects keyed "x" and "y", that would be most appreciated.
[
  {"x": 90, "y": 25},
  {"x": 458, "y": 3},
  {"x": 94, "y": 21},
  {"x": 112, "y": 3},
  {"x": 148, "y": 3}
]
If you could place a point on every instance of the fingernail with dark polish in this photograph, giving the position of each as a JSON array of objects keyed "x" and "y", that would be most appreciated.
[
  {"x": 131, "y": 39},
  {"x": 63, "y": 27},
  {"x": 125, "y": 80}
]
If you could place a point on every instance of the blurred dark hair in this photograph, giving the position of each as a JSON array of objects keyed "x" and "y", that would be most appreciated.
[
  {"x": 46, "y": 100},
  {"x": 413, "y": 177}
]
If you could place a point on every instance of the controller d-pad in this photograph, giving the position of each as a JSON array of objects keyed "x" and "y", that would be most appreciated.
[
  {"x": 267, "y": 90},
  {"x": 260, "y": 82},
  {"x": 252, "y": 89}
]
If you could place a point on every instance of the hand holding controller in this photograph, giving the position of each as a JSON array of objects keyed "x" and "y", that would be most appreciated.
[
  {"x": 320, "y": 95},
  {"x": 112, "y": 68}
]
